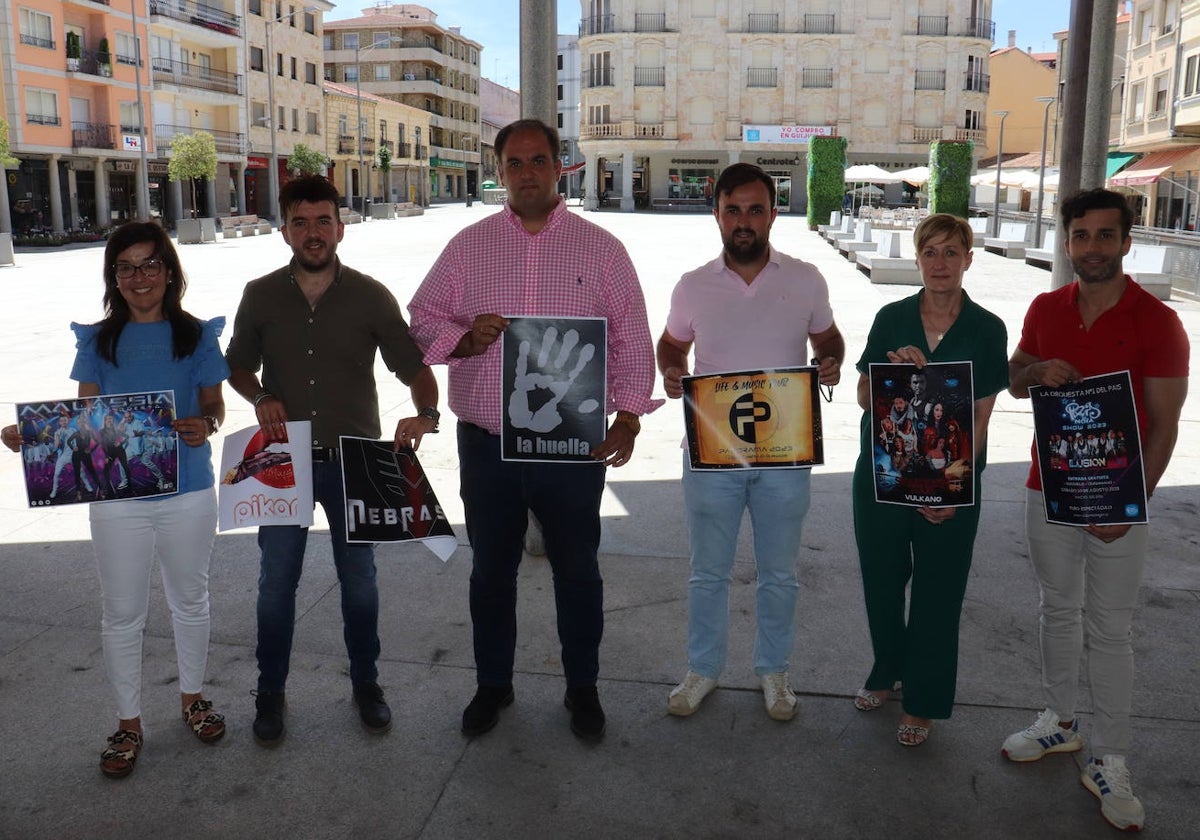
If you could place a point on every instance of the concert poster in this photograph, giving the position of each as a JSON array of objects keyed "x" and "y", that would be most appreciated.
[
  {"x": 96, "y": 449},
  {"x": 1089, "y": 451},
  {"x": 922, "y": 430},
  {"x": 753, "y": 419},
  {"x": 266, "y": 483}
]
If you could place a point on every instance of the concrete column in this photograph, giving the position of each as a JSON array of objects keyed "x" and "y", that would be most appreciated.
[
  {"x": 591, "y": 180},
  {"x": 539, "y": 49},
  {"x": 348, "y": 176},
  {"x": 627, "y": 182},
  {"x": 72, "y": 198},
  {"x": 1099, "y": 95},
  {"x": 56, "y": 208},
  {"x": 103, "y": 210},
  {"x": 177, "y": 201},
  {"x": 1072, "y": 117},
  {"x": 210, "y": 195},
  {"x": 141, "y": 176},
  {"x": 239, "y": 180},
  {"x": 5, "y": 210}
]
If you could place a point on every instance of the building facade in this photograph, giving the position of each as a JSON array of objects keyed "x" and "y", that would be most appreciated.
[
  {"x": 673, "y": 92},
  {"x": 568, "y": 91},
  {"x": 498, "y": 106}
]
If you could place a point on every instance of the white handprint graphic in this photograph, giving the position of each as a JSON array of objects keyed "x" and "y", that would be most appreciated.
[{"x": 552, "y": 376}]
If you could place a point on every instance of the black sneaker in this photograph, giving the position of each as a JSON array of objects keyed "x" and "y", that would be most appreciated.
[
  {"x": 372, "y": 708},
  {"x": 268, "y": 717},
  {"x": 483, "y": 712},
  {"x": 587, "y": 718}
]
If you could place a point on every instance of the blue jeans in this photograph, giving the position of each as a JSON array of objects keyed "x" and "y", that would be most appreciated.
[
  {"x": 497, "y": 496},
  {"x": 279, "y": 574},
  {"x": 778, "y": 500}
]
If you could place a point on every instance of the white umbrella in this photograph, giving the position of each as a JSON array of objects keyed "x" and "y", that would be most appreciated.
[
  {"x": 917, "y": 176},
  {"x": 869, "y": 173}
]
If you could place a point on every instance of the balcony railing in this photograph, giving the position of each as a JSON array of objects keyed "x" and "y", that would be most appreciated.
[
  {"x": 422, "y": 152},
  {"x": 227, "y": 142},
  {"x": 597, "y": 25},
  {"x": 602, "y": 130},
  {"x": 194, "y": 75},
  {"x": 811, "y": 77},
  {"x": 978, "y": 82},
  {"x": 650, "y": 22},
  {"x": 762, "y": 77},
  {"x": 33, "y": 41},
  {"x": 198, "y": 14},
  {"x": 933, "y": 25},
  {"x": 87, "y": 135},
  {"x": 601, "y": 77},
  {"x": 348, "y": 145},
  {"x": 979, "y": 28},
  {"x": 389, "y": 145},
  {"x": 403, "y": 149},
  {"x": 820, "y": 24},
  {"x": 763, "y": 22},
  {"x": 649, "y": 76},
  {"x": 930, "y": 80},
  {"x": 975, "y": 135},
  {"x": 926, "y": 135},
  {"x": 43, "y": 119}
]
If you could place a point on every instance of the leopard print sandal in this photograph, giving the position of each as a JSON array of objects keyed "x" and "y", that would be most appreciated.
[
  {"x": 117, "y": 760},
  {"x": 206, "y": 724}
]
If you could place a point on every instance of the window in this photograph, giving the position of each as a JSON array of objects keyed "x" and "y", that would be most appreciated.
[
  {"x": 598, "y": 115},
  {"x": 382, "y": 39},
  {"x": 296, "y": 120},
  {"x": 560, "y": 61},
  {"x": 127, "y": 52},
  {"x": 310, "y": 23},
  {"x": 560, "y": 93},
  {"x": 311, "y": 126},
  {"x": 400, "y": 133},
  {"x": 1160, "y": 96},
  {"x": 560, "y": 119},
  {"x": 383, "y": 130},
  {"x": 1189, "y": 78},
  {"x": 973, "y": 120},
  {"x": 293, "y": 67},
  {"x": 258, "y": 114},
  {"x": 292, "y": 16},
  {"x": 1144, "y": 19},
  {"x": 327, "y": 42},
  {"x": 1138, "y": 111},
  {"x": 349, "y": 40},
  {"x": 129, "y": 117},
  {"x": 350, "y": 73},
  {"x": 279, "y": 64},
  {"x": 281, "y": 121},
  {"x": 1170, "y": 15},
  {"x": 37, "y": 29},
  {"x": 41, "y": 106},
  {"x": 383, "y": 72},
  {"x": 310, "y": 73},
  {"x": 343, "y": 129},
  {"x": 254, "y": 7},
  {"x": 256, "y": 59}
]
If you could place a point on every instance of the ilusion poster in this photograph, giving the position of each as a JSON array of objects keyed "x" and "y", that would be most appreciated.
[
  {"x": 923, "y": 427},
  {"x": 1089, "y": 451},
  {"x": 92, "y": 449},
  {"x": 553, "y": 387},
  {"x": 389, "y": 498},
  {"x": 753, "y": 419},
  {"x": 266, "y": 483}
]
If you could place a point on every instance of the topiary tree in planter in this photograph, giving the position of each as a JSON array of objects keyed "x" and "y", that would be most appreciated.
[
  {"x": 826, "y": 184},
  {"x": 193, "y": 156},
  {"x": 307, "y": 161},
  {"x": 74, "y": 51},
  {"x": 104, "y": 58},
  {"x": 949, "y": 184},
  {"x": 385, "y": 168}
]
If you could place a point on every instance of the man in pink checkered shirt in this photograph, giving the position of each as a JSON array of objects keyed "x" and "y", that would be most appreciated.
[{"x": 533, "y": 258}]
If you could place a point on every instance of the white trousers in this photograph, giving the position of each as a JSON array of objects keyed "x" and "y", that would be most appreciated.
[
  {"x": 127, "y": 536},
  {"x": 1089, "y": 591}
]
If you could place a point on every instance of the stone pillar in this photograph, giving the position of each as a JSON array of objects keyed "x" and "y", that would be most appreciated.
[
  {"x": 72, "y": 197},
  {"x": 348, "y": 170},
  {"x": 177, "y": 201},
  {"x": 103, "y": 211},
  {"x": 591, "y": 178},
  {"x": 56, "y": 208},
  {"x": 627, "y": 182},
  {"x": 141, "y": 176},
  {"x": 5, "y": 210},
  {"x": 539, "y": 51},
  {"x": 239, "y": 180},
  {"x": 210, "y": 196}
]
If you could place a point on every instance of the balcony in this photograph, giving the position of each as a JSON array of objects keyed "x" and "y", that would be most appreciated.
[
  {"x": 34, "y": 41},
  {"x": 227, "y": 142},
  {"x": 87, "y": 3},
  {"x": 820, "y": 25},
  {"x": 650, "y": 22},
  {"x": 930, "y": 80},
  {"x": 90, "y": 64},
  {"x": 649, "y": 76},
  {"x": 978, "y": 82},
  {"x": 43, "y": 119},
  {"x": 602, "y": 130},
  {"x": 763, "y": 22},
  {"x": 975, "y": 27},
  {"x": 933, "y": 25},
  {"x": 816, "y": 78},
  {"x": 422, "y": 152},
  {"x": 597, "y": 25},
  {"x": 166, "y": 71},
  {"x": 198, "y": 14},
  {"x": 634, "y": 131},
  {"x": 389, "y": 145},
  {"x": 348, "y": 145},
  {"x": 926, "y": 135},
  {"x": 762, "y": 77},
  {"x": 978, "y": 136},
  {"x": 403, "y": 149},
  {"x": 87, "y": 135},
  {"x": 600, "y": 77}
]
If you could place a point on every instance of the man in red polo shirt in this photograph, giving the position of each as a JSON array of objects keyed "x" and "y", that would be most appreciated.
[{"x": 1102, "y": 323}]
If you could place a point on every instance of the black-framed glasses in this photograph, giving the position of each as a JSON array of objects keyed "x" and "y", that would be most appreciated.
[
  {"x": 826, "y": 390},
  {"x": 149, "y": 269}
]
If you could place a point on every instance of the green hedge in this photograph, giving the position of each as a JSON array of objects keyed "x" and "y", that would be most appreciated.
[
  {"x": 826, "y": 178},
  {"x": 950, "y": 164}
]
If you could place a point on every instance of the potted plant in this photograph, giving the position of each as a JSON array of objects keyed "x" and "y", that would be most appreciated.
[
  {"x": 104, "y": 58},
  {"x": 74, "y": 51}
]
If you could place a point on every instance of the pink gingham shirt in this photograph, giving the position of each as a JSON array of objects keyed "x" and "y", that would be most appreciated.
[{"x": 570, "y": 268}]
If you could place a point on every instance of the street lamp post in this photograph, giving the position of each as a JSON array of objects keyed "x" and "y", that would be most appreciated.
[
  {"x": 1037, "y": 223},
  {"x": 420, "y": 167},
  {"x": 143, "y": 173},
  {"x": 1003, "y": 115}
]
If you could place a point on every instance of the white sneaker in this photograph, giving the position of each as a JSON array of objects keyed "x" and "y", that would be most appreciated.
[
  {"x": 778, "y": 696},
  {"x": 686, "y": 697},
  {"x": 1045, "y": 736},
  {"x": 1109, "y": 780}
]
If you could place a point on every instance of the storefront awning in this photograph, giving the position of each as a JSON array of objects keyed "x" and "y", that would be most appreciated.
[
  {"x": 1116, "y": 162},
  {"x": 574, "y": 167},
  {"x": 1148, "y": 169}
]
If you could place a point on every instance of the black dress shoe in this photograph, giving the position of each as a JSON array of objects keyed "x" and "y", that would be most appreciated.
[
  {"x": 483, "y": 712},
  {"x": 372, "y": 708},
  {"x": 268, "y": 717},
  {"x": 587, "y": 718}
]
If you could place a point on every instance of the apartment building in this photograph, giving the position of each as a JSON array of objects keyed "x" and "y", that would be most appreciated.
[
  {"x": 498, "y": 106},
  {"x": 1018, "y": 80},
  {"x": 401, "y": 52},
  {"x": 672, "y": 93},
  {"x": 568, "y": 92}
]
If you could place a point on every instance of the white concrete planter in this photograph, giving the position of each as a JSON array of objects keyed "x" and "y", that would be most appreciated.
[
  {"x": 6, "y": 249},
  {"x": 194, "y": 231}
]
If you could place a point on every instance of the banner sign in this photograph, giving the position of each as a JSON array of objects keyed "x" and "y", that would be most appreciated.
[
  {"x": 784, "y": 133},
  {"x": 1089, "y": 451},
  {"x": 923, "y": 426},
  {"x": 266, "y": 483},
  {"x": 553, "y": 382},
  {"x": 92, "y": 449},
  {"x": 753, "y": 419}
]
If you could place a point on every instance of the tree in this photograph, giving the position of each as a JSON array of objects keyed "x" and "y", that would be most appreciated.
[
  {"x": 193, "y": 156},
  {"x": 385, "y": 166},
  {"x": 6, "y": 158},
  {"x": 826, "y": 181},
  {"x": 308, "y": 161}
]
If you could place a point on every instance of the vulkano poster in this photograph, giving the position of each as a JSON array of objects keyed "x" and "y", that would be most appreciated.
[
  {"x": 389, "y": 498},
  {"x": 266, "y": 483},
  {"x": 553, "y": 385},
  {"x": 1089, "y": 451},
  {"x": 753, "y": 419}
]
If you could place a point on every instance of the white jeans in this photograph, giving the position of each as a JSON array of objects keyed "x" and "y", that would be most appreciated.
[
  {"x": 127, "y": 536},
  {"x": 1089, "y": 590}
]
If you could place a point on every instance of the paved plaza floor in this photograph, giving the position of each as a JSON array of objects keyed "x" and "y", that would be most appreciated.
[{"x": 727, "y": 772}]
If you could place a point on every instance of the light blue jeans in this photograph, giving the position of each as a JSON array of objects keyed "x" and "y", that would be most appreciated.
[{"x": 778, "y": 500}]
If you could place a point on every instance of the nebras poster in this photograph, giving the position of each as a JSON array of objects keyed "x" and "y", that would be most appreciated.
[
  {"x": 553, "y": 385},
  {"x": 922, "y": 428},
  {"x": 92, "y": 449},
  {"x": 753, "y": 419},
  {"x": 266, "y": 483},
  {"x": 389, "y": 498},
  {"x": 1089, "y": 451}
]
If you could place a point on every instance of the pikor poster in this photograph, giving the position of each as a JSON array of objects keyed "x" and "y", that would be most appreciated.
[
  {"x": 1089, "y": 451},
  {"x": 92, "y": 449},
  {"x": 753, "y": 419},
  {"x": 553, "y": 386},
  {"x": 266, "y": 482},
  {"x": 922, "y": 433}
]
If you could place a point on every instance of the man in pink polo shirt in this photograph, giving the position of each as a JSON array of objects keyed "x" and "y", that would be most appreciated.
[
  {"x": 1104, "y": 322},
  {"x": 752, "y": 308}
]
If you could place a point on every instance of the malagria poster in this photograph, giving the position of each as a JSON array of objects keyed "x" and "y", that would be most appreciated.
[{"x": 266, "y": 483}]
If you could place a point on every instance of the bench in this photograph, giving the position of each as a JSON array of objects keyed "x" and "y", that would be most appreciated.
[
  {"x": 835, "y": 223},
  {"x": 861, "y": 242},
  {"x": 846, "y": 231},
  {"x": 885, "y": 265},
  {"x": 1011, "y": 242},
  {"x": 1149, "y": 265},
  {"x": 1043, "y": 257},
  {"x": 232, "y": 226},
  {"x": 693, "y": 205},
  {"x": 979, "y": 226}
]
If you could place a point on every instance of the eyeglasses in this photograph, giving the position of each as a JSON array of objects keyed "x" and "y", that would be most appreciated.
[
  {"x": 150, "y": 269},
  {"x": 826, "y": 390}
]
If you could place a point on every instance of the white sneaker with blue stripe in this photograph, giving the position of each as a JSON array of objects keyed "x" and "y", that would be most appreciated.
[
  {"x": 1046, "y": 735},
  {"x": 1109, "y": 780}
]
